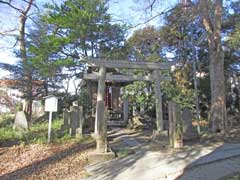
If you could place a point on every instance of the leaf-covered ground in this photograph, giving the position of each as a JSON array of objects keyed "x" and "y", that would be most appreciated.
[{"x": 40, "y": 162}]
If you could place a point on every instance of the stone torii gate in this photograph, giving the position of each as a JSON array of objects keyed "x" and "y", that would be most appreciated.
[{"x": 101, "y": 76}]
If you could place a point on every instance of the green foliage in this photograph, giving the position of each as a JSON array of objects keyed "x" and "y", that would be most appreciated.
[
  {"x": 8, "y": 133},
  {"x": 180, "y": 89},
  {"x": 124, "y": 152},
  {"x": 234, "y": 39},
  {"x": 183, "y": 97},
  {"x": 86, "y": 24},
  {"x": 139, "y": 92},
  {"x": 67, "y": 32},
  {"x": 233, "y": 177},
  {"x": 44, "y": 47},
  {"x": 6, "y": 119},
  {"x": 36, "y": 134},
  {"x": 84, "y": 100},
  {"x": 148, "y": 44},
  {"x": 145, "y": 44}
]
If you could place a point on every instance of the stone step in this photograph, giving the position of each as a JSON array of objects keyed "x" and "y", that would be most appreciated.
[{"x": 116, "y": 123}]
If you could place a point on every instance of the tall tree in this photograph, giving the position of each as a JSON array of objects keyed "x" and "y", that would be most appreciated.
[
  {"x": 87, "y": 26},
  {"x": 212, "y": 23},
  {"x": 27, "y": 75}
]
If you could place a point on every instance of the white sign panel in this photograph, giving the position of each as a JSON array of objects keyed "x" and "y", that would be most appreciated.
[{"x": 51, "y": 104}]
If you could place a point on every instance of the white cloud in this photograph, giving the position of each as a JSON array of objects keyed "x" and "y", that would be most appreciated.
[
  {"x": 4, "y": 74},
  {"x": 170, "y": 55},
  {"x": 7, "y": 57}
]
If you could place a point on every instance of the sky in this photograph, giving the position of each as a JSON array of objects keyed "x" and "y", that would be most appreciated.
[{"x": 130, "y": 11}]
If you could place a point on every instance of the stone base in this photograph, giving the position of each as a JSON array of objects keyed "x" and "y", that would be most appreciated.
[
  {"x": 191, "y": 136},
  {"x": 96, "y": 157},
  {"x": 93, "y": 135},
  {"x": 79, "y": 132},
  {"x": 178, "y": 143},
  {"x": 117, "y": 123},
  {"x": 159, "y": 135}
]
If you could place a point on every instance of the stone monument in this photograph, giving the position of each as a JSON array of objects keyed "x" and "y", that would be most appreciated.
[
  {"x": 189, "y": 133},
  {"x": 20, "y": 122}
]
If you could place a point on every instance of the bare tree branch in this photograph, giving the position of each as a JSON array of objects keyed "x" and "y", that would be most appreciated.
[
  {"x": 151, "y": 18},
  {"x": 10, "y": 5},
  {"x": 10, "y": 47},
  {"x": 8, "y": 32},
  {"x": 151, "y": 5},
  {"x": 33, "y": 20},
  {"x": 28, "y": 7}
]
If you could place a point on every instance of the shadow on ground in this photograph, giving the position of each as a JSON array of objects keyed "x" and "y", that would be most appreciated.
[{"x": 168, "y": 164}]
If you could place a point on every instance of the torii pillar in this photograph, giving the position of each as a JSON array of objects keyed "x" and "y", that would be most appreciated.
[
  {"x": 158, "y": 98},
  {"x": 101, "y": 114}
]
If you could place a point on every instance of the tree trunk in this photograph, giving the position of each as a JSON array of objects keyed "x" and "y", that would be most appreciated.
[
  {"x": 218, "y": 99},
  {"x": 27, "y": 74},
  {"x": 216, "y": 68}
]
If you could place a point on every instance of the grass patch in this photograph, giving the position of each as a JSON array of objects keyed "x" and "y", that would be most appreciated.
[
  {"x": 232, "y": 177},
  {"x": 6, "y": 119},
  {"x": 124, "y": 152},
  {"x": 37, "y": 134}
]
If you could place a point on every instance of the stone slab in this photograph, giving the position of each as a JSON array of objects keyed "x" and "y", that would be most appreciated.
[
  {"x": 213, "y": 171},
  {"x": 20, "y": 122},
  {"x": 117, "y": 123},
  {"x": 96, "y": 157},
  {"x": 165, "y": 166},
  {"x": 131, "y": 142},
  {"x": 189, "y": 133}
]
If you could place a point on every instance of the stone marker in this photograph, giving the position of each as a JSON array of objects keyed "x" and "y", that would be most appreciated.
[
  {"x": 79, "y": 130},
  {"x": 66, "y": 124},
  {"x": 175, "y": 125},
  {"x": 125, "y": 110},
  {"x": 66, "y": 120},
  {"x": 134, "y": 109},
  {"x": 189, "y": 133},
  {"x": 20, "y": 122},
  {"x": 73, "y": 122}
]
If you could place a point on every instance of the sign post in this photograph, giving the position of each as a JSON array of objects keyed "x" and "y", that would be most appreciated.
[
  {"x": 51, "y": 104},
  {"x": 49, "y": 126}
]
